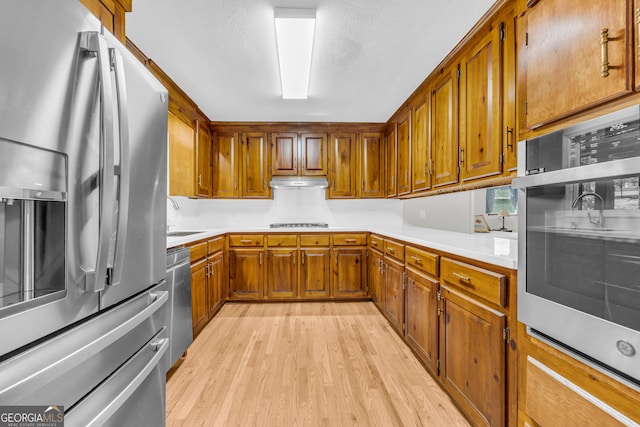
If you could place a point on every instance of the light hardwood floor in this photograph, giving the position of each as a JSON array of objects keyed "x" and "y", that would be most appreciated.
[{"x": 304, "y": 364}]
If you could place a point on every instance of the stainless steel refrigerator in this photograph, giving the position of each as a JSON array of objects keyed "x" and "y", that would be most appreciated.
[{"x": 83, "y": 136}]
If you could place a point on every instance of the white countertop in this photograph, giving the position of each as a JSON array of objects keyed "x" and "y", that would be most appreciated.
[{"x": 495, "y": 248}]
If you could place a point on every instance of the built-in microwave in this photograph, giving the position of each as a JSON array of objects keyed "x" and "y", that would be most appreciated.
[{"x": 579, "y": 240}]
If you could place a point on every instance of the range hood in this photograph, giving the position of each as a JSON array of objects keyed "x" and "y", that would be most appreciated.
[{"x": 298, "y": 182}]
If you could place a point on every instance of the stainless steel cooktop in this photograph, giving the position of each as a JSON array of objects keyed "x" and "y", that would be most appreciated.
[{"x": 299, "y": 225}]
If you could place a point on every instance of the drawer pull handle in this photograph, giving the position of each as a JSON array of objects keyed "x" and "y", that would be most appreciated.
[
  {"x": 604, "y": 44},
  {"x": 246, "y": 241},
  {"x": 463, "y": 278},
  {"x": 393, "y": 251},
  {"x": 416, "y": 259},
  {"x": 374, "y": 243},
  {"x": 349, "y": 240}
]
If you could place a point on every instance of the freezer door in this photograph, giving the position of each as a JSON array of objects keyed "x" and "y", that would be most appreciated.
[
  {"x": 139, "y": 256},
  {"x": 64, "y": 369}
]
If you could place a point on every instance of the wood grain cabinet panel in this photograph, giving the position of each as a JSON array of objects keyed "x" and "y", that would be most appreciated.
[
  {"x": 313, "y": 154},
  {"x": 473, "y": 350},
  {"x": 349, "y": 273},
  {"x": 225, "y": 165},
  {"x": 284, "y": 154},
  {"x": 182, "y": 157},
  {"x": 215, "y": 283},
  {"x": 481, "y": 108},
  {"x": 391, "y": 162},
  {"x": 422, "y": 318},
  {"x": 203, "y": 172},
  {"x": 404, "y": 154},
  {"x": 482, "y": 283},
  {"x": 282, "y": 273},
  {"x": 420, "y": 158},
  {"x": 394, "y": 293},
  {"x": 371, "y": 161},
  {"x": 255, "y": 162},
  {"x": 246, "y": 273},
  {"x": 376, "y": 278},
  {"x": 572, "y": 64},
  {"x": 315, "y": 273},
  {"x": 444, "y": 128},
  {"x": 199, "y": 312},
  {"x": 342, "y": 166}
]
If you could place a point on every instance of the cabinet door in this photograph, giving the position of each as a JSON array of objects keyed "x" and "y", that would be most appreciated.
[
  {"x": 181, "y": 157},
  {"x": 199, "y": 313},
  {"x": 422, "y": 318},
  {"x": 481, "y": 108},
  {"x": 214, "y": 283},
  {"x": 313, "y": 154},
  {"x": 404, "y": 154},
  {"x": 420, "y": 147},
  {"x": 203, "y": 184},
  {"x": 444, "y": 128},
  {"x": 394, "y": 293},
  {"x": 225, "y": 165},
  {"x": 284, "y": 154},
  {"x": 472, "y": 351},
  {"x": 349, "y": 273},
  {"x": 576, "y": 57},
  {"x": 375, "y": 279},
  {"x": 315, "y": 277},
  {"x": 246, "y": 273},
  {"x": 371, "y": 165},
  {"x": 282, "y": 273},
  {"x": 392, "y": 162},
  {"x": 342, "y": 161},
  {"x": 255, "y": 164}
]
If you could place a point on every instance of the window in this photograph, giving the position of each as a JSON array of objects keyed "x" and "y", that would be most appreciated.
[{"x": 502, "y": 198}]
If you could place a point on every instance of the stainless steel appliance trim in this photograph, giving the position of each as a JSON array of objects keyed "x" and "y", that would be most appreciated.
[
  {"x": 46, "y": 361},
  {"x": 613, "y": 169},
  {"x": 95, "y": 43},
  {"x": 9, "y": 193},
  {"x": 90, "y": 412},
  {"x": 28, "y": 250},
  {"x": 123, "y": 180},
  {"x": 298, "y": 182}
]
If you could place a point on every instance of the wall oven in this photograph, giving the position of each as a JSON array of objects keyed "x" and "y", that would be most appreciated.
[{"x": 579, "y": 242}]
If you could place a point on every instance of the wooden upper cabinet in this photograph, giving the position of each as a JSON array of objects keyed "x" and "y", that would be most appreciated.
[
  {"x": 255, "y": 164},
  {"x": 509, "y": 142},
  {"x": 302, "y": 154},
  {"x": 444, "y": 128},
  {"x": 313, "y": 154},
  {"x": 576, "y": 57},
  {"x": 284, "y": 152},
  {"x": 420, "y": 159},
  {"x": 404, "y": 154},
  {"x": 342, "y": 166},
  {"x": 371, "y": 172},
  {"x": 182, "y": 156},
  {"x": 391, "y": 161},
  {"x": 111, "y": 14},
  {"x": 203, "y": 173},
  {"x": 225, "y": 165},
  {"x": 480, "y": 107}
]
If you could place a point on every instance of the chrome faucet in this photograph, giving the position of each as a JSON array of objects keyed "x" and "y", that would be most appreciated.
[{"x": 597, "y": 222}]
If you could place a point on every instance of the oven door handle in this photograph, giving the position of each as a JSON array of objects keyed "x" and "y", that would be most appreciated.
[
  {"x": 614, "y": 169},
  {"x": 124, "y": 169},
  {"x": 96, "y": 44}
]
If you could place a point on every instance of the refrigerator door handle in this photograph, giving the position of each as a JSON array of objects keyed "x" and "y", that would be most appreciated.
[
  {"x": 96, "y": 44},
  {"x": 91, "y": 413},
  {"x": 124, "y": 169}
]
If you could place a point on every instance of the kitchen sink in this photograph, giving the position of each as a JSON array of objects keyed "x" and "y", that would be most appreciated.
[{"x": 182, "y": 233}]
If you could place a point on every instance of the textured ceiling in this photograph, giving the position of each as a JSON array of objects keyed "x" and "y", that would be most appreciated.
[{"x": 369, "y": 55}]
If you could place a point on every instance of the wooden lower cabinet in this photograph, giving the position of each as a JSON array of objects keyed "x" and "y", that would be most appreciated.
[
  {"x": 473, "y": 357},
  {"x": 215, "y": 283},
  {"x": 394, "y": 293},
  {"x": 376, "y": 279},
  {"x": 422, "y": 318},
  {"x": 349, "y": 273},
  {"x": 199, "y": 312},
  {"x": 282, "y": 273},
  {"x": 315, "y": 273},
  {"x": 246, "y": 273}
]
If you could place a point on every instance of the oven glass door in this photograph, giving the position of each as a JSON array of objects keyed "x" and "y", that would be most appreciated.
[{"x": 583, "y": 247}]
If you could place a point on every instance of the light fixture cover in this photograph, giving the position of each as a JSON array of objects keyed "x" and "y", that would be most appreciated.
[{"x": 294, "y": 34}]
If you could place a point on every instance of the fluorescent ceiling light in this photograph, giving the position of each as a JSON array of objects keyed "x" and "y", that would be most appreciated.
[{"x": 294, "y": 35}]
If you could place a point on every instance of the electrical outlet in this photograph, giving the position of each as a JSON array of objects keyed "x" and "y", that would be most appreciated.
[{"x": 422, "y": 214}]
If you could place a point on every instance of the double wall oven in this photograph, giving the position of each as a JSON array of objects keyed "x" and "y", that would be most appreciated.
[{"x": 579, "y": 243}]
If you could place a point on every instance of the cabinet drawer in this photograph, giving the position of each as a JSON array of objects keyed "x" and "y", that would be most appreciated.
[
  {"x": 422, "y": 260},
  {"x": 394, "y": 249},
  {"x": 198, "y": 251},
  {"x": 282, "y": 240},
  {"x": 350, "y": 239},
  {"x": 478, "y": 281},
  {"x": 376, "y": 242},
  {"x": 314, "y": 240},
  {"x": 214, "y": 245},
  {"x": 246, "y": 240}
]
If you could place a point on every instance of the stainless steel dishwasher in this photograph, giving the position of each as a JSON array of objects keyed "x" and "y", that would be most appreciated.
[{"x": 179, "y": 284}]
